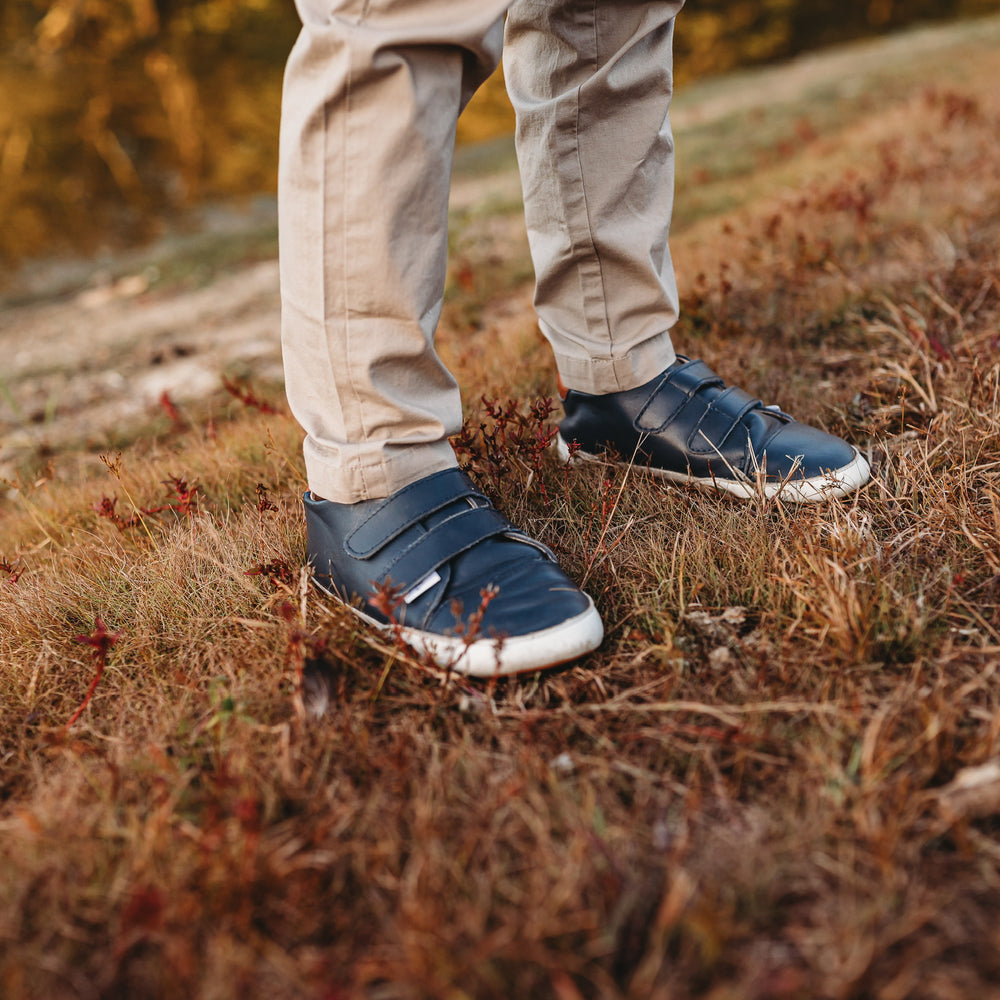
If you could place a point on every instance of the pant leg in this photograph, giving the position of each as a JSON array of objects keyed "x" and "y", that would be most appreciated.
[
  {"x": 372, "y": 92},
  {"x": 591, "y": 81}
]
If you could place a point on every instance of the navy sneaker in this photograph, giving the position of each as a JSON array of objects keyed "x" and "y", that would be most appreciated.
[
  {"x": 422, "y": 560},
  {"x": 687, "y": 426}
]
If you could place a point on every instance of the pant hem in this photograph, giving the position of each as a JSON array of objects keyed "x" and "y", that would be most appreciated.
[
  {"x": 598, "y": 375},
  {"x": 378, "y": 477}
]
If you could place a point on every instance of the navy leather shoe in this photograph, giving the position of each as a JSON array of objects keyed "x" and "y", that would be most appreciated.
[
  {"x": 687, "y": 426},
  {"x": 436, "y": 545}
]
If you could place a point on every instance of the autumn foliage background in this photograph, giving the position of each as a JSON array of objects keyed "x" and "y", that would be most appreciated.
[{"x": 120, "y": 113}]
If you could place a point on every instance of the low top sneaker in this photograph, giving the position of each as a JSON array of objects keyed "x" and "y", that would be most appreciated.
[
  {"x": 687, "y": 426},
  {"x": 437, "y": 545}
]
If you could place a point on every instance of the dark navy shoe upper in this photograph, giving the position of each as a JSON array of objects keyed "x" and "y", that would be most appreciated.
[
  {"x": 441, "y": 541},
  {"x": 687, "y": 421}
]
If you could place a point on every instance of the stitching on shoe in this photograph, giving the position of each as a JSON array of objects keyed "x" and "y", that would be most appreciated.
[
  {"x": 470, "y": 534},
  {"x": 679, "y": 381},
  {"x": 686, "y": 397},
  {"x": 720, "y": 405},
  {"x": 695, "y": 371},
  {"x": 396, "y": 526},
  {"x": 670, "y": 418}
]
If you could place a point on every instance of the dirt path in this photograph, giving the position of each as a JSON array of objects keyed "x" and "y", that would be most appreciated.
[{"x": 79, "y": 365}]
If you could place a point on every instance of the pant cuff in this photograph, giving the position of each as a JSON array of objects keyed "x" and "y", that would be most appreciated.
[
  {"x": 374, "y": 477},
  {"x": 599, "y": 375}
]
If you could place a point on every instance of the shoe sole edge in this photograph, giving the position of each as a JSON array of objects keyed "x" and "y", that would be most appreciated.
[
  {"x": 830, "y": 486},
  {"x": 502, "y": 657}
]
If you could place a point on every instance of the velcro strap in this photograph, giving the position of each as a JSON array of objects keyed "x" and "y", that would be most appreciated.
[
  {"x": 690, "y": 377},
  {"x": 671, "y": 396},
  {"x": 720, "y": 419},
  {"x": 405, "y": 508},
  {"x": 443, "y": 542}
]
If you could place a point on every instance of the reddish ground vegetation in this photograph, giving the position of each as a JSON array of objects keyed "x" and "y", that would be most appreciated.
[{"x": 777, "y": 778}]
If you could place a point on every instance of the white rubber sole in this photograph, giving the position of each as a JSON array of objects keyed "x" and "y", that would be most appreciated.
[
  {"x": 830, "y": 486},
  {"x": 487, "y": 657}
]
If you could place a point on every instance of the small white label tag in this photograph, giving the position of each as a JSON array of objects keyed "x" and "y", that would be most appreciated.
[{"x": 422, "y": 586}]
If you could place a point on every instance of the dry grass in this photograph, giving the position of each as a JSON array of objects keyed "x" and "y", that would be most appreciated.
[{"x": 774, "y": 778}]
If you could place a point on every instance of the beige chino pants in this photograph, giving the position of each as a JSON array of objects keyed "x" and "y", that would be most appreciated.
[{"x": 373, "y": 89}]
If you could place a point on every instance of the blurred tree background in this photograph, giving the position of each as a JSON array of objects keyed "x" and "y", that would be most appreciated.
[{"x": 116, "y": 114}]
